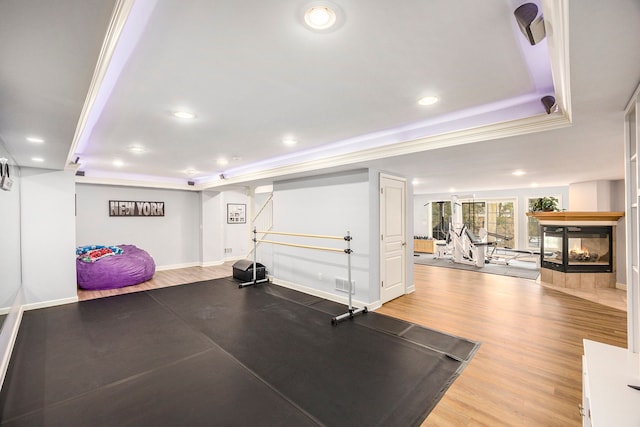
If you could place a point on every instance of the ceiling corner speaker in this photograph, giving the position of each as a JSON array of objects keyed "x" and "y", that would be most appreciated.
[
  {"x": 222, "y": 176},
  {"x": 530, "y": 24},
  {"x": 5, "y": 180},
  {"x": 191, "y": 183},
  {"x": 79, "y": 173},
  {"x": 549, "y": 103}
]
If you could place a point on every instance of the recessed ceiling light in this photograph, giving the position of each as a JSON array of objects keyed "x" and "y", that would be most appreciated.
[
  {"x": 452, "y": 190},
  {"x": 37, "y": 159},
  {"x": 534, "y": 184},
  {"x": 118, "y": 163},
  {"x": 428, "y": 100},
  {"x": 222, "y": 161},
  {"x": 289, "y": 141},
  {"x": 518, "y": 172},
  {"x": 190, "y": 171},
  {"x": 236, "y": 158},
  {"x": 320, "y": 17},
  {"x": 137, "y": 149},
  {"x": 415, "y": 181},
  {"x": 183, "y": 114},
  {"x": 35, "y": 139}
]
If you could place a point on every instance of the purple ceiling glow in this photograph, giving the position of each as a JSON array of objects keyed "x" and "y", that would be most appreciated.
[
  {"x": 131, "y": 33},
  {"x": 497, "y": 112},
  {"x": 525, "y": 105}
]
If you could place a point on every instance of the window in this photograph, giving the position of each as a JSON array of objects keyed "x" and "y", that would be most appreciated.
[
  {"x": 497, "y": 217},
  {"x": 440, "y": 218},
  {"x": 474, "y": 216},
  {"x": 533, "y": 226},
  {"x": 501, "y": 224}
]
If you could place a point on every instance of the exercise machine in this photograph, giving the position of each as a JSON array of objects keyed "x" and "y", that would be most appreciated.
[{"x": 461, "y": 243}]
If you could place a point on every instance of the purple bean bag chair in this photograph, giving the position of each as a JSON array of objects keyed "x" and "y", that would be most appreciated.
[{"x": 131, "y": 267}]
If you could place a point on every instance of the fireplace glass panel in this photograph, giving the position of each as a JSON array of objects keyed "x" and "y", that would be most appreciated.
[
  {"x": 577, "y": 248},
  {"x": 553, "y": 237},
  {"x": 589, "y": 247}
]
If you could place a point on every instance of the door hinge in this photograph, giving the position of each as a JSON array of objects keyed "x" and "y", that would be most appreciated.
[
  {"x": 383, "y": 283},
  {"x": 381, "y": 190},
  {"x": 382, "y": 237}
]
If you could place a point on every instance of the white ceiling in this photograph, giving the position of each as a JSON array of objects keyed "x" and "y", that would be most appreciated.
[{"x": 253, "y": 74}]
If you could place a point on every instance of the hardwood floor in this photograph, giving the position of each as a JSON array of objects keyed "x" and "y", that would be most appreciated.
[
  {"x": 527, "y": 371},
  {"x": 164, "y": 278}
]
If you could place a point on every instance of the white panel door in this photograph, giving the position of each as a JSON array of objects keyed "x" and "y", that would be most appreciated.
[{"x": 392, "y": 237}]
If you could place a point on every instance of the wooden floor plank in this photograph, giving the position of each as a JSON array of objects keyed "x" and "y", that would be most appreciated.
[{"x": 527, "y": 371}]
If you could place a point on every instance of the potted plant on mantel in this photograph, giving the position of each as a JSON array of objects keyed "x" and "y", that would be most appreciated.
[{"x": 545, "y": 204}]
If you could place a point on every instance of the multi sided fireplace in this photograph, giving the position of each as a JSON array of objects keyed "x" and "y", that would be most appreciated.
[{"x": 577, "y": 249}]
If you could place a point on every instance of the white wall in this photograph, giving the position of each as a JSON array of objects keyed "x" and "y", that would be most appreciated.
[
  {"x": 10, "y": 267},
  {"x": 618, "y": 205},
  {"x": 212, "y": 228},
  {"x": 173, "y": 240},
  {"x": 236, "y": 236},
  {"x": 326, "y": 205},
  {"x": 48, "y": 235},
  {"x": 11, "y": 295},
  {"x": 591, "y": 196}
]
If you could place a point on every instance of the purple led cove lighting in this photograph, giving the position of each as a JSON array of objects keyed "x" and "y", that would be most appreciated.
[
  {"x": 126, "y": 43},
  {"x": 117, "y": 175},
  {"x": 536, "y": 57},
  {"x": 527, "y": 105},
  {"x": 496, "y": 112}
]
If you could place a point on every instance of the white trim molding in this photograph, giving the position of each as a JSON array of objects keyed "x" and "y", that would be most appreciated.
[{"x": 325, "y": 295}]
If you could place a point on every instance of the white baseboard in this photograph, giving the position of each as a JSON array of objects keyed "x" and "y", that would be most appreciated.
[
  {"x": 197, "y": 264},
  {"x": 622, "y": 286},
  {"x": 325, "y": 295},
  {"x": 13, "y": 319},
  {"x": 175, "y": 266},
  {"x": 211, "y": 263},
  {"x": 52, "y": 303}
]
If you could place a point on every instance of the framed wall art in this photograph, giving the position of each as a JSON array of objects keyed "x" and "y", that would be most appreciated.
[{"x": 236, "y": 213}]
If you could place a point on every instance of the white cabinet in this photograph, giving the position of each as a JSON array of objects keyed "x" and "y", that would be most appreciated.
[
  {"x": 585, "y": 408},
  {"x": 607, "y": 399},
  {"x": 632, "y": 218}
]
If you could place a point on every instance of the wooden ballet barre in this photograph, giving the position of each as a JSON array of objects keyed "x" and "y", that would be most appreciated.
[
  {"x": 301, "y": 246},
  {"x": 317, "y": 236}
]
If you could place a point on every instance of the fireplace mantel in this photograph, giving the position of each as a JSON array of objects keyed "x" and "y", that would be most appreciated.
[{"x": 575, "y": 218}]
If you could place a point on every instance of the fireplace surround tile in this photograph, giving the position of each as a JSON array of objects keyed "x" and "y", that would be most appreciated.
[{"x": 587, "y": 280}]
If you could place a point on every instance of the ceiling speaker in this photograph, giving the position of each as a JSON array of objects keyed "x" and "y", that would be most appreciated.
[
  {"x": 531, "y": 27},
  {"x": 549, "y": 103}
]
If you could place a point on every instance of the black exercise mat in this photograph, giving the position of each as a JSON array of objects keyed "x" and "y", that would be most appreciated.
[
  {"x": 208, "y": 389},
  {"x": 209, "y": 353},
  {"x": 351, "y": 374},
  {"x": 456, "y": 347}
]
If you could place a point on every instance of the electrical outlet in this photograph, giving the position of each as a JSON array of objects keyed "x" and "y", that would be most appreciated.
[
  {"x": 343, "y": 285},
  {"x": 228, "y": 250}
]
